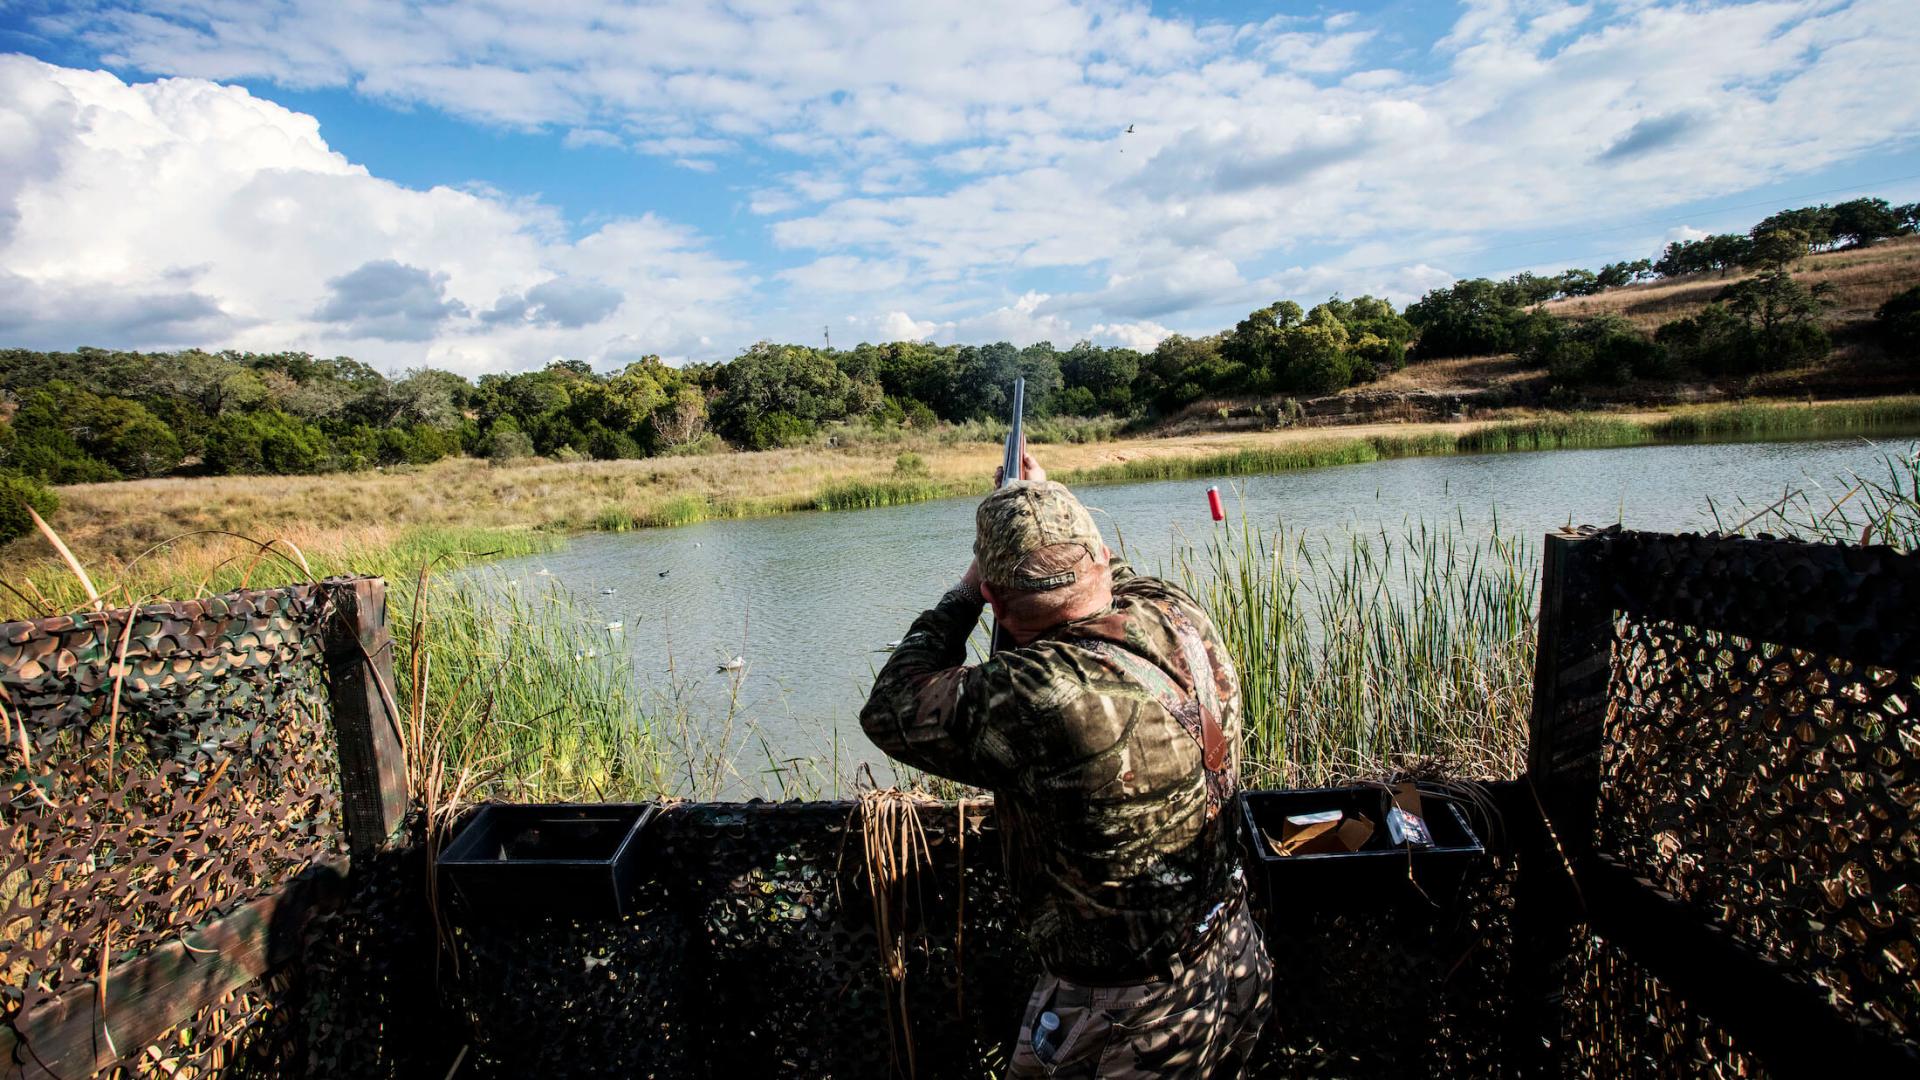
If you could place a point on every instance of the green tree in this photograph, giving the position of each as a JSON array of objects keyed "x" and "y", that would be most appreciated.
[
  {"x": 1475, "y": 317},
  {"x": 1723, "y": 252},
  {"x": 1106, "y": 375},
  {"x": 506, "y": 442},
  {"x": 1783, "y": 316},
  {"x": 1777, "y": 249},
  {"x": 1614, "y": 275},
  {"x": 790, "y": 381},
  {"x": 679, "y": 420},
  {"x": 1859, "y": 222},
  {"x": 1314, "y": 353},
  {"x": 1814, "y": 224},
  {"x": 70, "y": 435}
]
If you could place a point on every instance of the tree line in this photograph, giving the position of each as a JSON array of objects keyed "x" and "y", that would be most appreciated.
[{"x": 95, "y": 415}]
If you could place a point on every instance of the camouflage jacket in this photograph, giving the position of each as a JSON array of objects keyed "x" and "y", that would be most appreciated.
[{"x": 1111, "y": 843}]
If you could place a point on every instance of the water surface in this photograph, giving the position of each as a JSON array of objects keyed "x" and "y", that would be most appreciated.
[{"x": 810, "y": 600}]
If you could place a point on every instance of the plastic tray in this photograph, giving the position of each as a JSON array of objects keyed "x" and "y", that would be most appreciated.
[
  {"x": 574, "y": 859},
  {"x": 1380, "y": 874}
]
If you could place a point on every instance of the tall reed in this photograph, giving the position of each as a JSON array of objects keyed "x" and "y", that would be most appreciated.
[
  {"x": 1358, "y": 652},
  {"x": 1881, "y": 506}
]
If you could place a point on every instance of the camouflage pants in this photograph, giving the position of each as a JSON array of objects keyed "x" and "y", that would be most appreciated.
[{"x": 1201, "y": 1023}]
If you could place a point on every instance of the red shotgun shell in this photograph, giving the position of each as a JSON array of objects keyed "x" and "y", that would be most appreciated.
[{"x": 1213, "y": 502}]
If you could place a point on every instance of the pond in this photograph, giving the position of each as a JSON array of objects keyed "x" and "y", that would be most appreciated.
[{"x": 810, "y": 601}]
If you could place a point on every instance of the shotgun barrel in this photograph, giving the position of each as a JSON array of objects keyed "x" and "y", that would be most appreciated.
[
  {"x": 1016, "y": 435},
  {"x": 1011, "y": 470}
]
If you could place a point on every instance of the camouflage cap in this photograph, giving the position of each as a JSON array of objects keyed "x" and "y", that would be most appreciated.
[{"x": 1022, "y": 518}]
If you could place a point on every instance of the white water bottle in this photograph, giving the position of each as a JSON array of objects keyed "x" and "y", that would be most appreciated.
[{"x": 1046, "y": 1037}]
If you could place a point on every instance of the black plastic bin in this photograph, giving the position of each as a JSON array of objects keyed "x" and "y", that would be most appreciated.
[
  {"x": 579, "y": 860},
  {"x": 1380, "y": 874}
]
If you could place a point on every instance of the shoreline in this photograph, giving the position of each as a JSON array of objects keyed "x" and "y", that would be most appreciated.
[{"x": 361, "y": 515}]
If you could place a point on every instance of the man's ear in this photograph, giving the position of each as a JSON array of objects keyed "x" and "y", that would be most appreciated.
[{"x": 986, "y": 591}]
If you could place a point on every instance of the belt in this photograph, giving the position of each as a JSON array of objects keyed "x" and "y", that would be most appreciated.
[{"x": 1199, "y": 937}]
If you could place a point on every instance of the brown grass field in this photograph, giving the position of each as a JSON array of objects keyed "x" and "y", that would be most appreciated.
[
  {"x": 116, "y": 522},
  {"x": 1862, "y": 280}
]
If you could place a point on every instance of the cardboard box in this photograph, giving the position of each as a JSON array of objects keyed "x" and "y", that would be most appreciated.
[{"x": 1322, "y": 833}]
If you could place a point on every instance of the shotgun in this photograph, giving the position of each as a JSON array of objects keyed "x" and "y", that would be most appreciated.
[
  {"x": 1016, "y": 435},
  {"x": 1011, "y": 470}
]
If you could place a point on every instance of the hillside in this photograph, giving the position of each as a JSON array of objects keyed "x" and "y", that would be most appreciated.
[{"x": 1474, "y": 386}]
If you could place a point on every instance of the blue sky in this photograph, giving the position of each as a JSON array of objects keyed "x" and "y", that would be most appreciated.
[{"x": 491, "y": 185}]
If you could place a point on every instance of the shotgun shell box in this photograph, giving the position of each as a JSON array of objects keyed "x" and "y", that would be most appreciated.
[{"x": 1406, "y": 821}]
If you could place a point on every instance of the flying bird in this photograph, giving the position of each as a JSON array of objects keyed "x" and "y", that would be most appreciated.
[{"x": 1129, "y": 130}]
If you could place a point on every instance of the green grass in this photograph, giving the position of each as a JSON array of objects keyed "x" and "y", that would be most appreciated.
[
  {"x": 520, "y": 690},
  {"x": 1895, "y": 416},
  {"x": 1579, "y": 431},
  {"x": 872, "y": 494}
]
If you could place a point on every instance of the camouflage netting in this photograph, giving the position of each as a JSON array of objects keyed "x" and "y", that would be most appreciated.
[
  {"x": 214, "y": 783},
  {"x": 752, "y": 953},
  {"x": 1618, "y": 1020},
  {"x": 1761, "y": 763}
]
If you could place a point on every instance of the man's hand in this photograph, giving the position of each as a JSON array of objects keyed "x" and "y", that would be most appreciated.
[{"x": 1028, "y": 466}]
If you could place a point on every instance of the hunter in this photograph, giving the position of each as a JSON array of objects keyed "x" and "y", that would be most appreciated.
[{"x": 1109, "y": 733}]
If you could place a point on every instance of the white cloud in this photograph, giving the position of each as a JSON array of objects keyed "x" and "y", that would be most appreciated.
[
  {"x": 291, "y": 245},
  {"x": 943, "y": 159},
  {"x": 899, "y": 326},
  {"x": 1143, "y": 335},
  {"x": 576, "y": 138}
]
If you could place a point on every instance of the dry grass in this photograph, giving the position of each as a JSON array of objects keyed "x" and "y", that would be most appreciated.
[
  {"x": 1862, "y": 281},
  {"x": 1455, "y": 375}
]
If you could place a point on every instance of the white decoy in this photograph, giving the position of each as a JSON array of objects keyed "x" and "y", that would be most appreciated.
[
  {"x": 734, "y": 664},
  {"x": 612, "y": 626},
  {"x": 543, "y": 572},
  {"x": 606, "y": 592}
]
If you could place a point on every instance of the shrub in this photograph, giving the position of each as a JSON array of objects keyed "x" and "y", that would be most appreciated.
[
  {"x": 910, "y": 466},
  {"x": 774, "y": 430},
  {"x": 266, "y": 442},
  {"x": 18, "y": 492},
  {"x": 509, "y": 444},
  {"x": 1898, "y": 322},
  {"x": 1714, "y": 342},
  {"x": 920, "y": 415},
  {"x": 1605, "y": 350}
]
